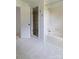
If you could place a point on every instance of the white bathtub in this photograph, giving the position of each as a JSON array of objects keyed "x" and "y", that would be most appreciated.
[{"x": 55, "y": 40}]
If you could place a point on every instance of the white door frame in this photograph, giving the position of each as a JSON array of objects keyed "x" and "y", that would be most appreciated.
[{"x": 40, "y": 24}]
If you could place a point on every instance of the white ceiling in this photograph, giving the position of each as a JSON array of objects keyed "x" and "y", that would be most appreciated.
[
  {"x": 55, "y": 5},
  {"x": 32, "y": 3},
  {"x": 36, "y": 2},
  {"x": 51, "y": 1}
]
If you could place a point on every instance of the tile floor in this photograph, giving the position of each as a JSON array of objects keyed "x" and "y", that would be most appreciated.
[{"x": 35, "y": 49}]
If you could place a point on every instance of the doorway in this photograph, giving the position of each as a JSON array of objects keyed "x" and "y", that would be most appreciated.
[
  {"x": 35, "y": 21},
  {"x": 18, "y": 17}
]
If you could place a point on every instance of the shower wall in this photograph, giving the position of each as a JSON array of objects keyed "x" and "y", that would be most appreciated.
[{"x": 54, "y": 20}]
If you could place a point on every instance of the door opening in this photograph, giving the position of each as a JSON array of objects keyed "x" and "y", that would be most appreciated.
[
  {"x": 35, "y": 21},
  {"x": 18, "y": 17}
]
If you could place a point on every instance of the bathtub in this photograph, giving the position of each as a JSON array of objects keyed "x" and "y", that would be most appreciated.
[{"x": 55, "y": 40}]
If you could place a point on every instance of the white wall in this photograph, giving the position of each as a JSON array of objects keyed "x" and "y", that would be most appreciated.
[
  {"x": 41, "y": 20},
  {"x": 54, "y": 20},
  {"x": 25, "y": 18}
]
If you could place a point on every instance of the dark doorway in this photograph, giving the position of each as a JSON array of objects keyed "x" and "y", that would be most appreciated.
[
  {"x": 18, "y": 17},
  {"x": 35, "y": 21}
]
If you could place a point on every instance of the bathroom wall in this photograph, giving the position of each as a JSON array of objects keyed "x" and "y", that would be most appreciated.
[
  {"x": 54, "y": 20},
  {"x": 41, "y": 19},
  {"x": 25, "y": 18}
]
